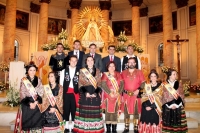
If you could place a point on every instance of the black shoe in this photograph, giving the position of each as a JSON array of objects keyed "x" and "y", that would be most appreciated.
[
  {"x": 114, "y": 128},
  {"x": 108, "y": 126},
  {"x": 66, "y": 131},
  {"x": 126, "y": 131},
  {"x": 136, "y": 129}
]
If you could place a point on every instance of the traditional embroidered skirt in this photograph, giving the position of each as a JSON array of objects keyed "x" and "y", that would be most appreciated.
[
  {"x": 149, "y": 120},
  {"x": 88, "y": 117},
  {"x": 174, "y": 120}
]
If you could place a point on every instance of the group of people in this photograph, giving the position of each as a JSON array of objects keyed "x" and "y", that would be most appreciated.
[{"x": 83, "y": 85}]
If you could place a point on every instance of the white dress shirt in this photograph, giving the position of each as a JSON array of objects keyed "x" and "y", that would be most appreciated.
[
  {"x": 76, "y": 52},
  {"x": 71, "y": 74}
]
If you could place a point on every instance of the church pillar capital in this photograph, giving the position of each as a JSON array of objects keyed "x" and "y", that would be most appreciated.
[
  {"x": 136, "y": 2},
  {"x": 168, "y": 52},
  {"x": 181, "y": 3},
  {"x": 75, "y": 4},
  {"x": 105, "y": 5},
  {"x": 9, "y": 30},
  {"x": 45, "y": 1}
]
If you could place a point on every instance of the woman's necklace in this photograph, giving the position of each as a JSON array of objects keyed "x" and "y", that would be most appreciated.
[{"x": 153, "y": 85}]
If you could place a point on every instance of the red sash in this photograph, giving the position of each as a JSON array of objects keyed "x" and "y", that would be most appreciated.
[{"x": 71, "y": 90}]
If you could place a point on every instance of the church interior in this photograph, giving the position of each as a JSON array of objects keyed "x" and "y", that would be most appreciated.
[{"x": 167, "y": 33}]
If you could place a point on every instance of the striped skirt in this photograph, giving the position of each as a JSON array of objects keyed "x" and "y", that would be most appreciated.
[
  {"x": 88, "y": 119},
  {"x": 174, "y": 120}
]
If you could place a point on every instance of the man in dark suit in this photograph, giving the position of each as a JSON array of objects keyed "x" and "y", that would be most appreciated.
[
  {"x": 69, "y": 80},
  {"x": 111, "y": 57},
  {"x": 76, "y": 52},
  {"x": 97, "y": 57}
]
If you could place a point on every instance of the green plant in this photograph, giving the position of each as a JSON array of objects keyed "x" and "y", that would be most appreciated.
[
  {"x": 121, "y": 48},
  {"x": 13, "y": 97},
  {"x": 122, "y": 37}
]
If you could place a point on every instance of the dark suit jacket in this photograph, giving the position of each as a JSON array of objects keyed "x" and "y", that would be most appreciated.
[
  {"x": 97, "y": 58},
  {"x": 106, "y": 60},
  {"x": 80, "y": 59},
  {"x": 67, "y": 80}
]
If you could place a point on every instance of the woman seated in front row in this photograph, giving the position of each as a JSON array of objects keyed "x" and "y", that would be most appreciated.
[{"x": 52, "y": 105}]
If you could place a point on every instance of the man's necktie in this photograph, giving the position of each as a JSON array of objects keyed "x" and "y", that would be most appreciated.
[{"x": 111, "y": 58}]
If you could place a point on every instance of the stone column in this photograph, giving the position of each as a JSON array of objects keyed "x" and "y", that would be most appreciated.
[
  {"x": 168, "y": 52},
  {"x": 136, "y": 19},
  {"x": 75, "y": 5},
  {"x": 43, "y": 23},
  {"x": 105, "y": 7},
  {"x": 198, "y": 37},
  {"x": 9, "y": 30}
]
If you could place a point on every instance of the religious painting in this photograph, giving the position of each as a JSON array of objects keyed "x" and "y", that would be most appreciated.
[
  {"x": 55, "y": 25},
  {"x": 156, "y": 23},
  {"x": 119, "y": 26},
  {"x": 192, "y": 15},
  {"x": 2, "y": 13},
  {"x": 22, "y": 20}
]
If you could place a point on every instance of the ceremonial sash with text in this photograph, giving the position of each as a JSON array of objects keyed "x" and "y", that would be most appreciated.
[
  {"x": 152, "y": 98},
  {"x": 90, "y": 77},
  {"x": 31, "y": 91},
  {"x": 52, "y": 100},
  {"x": 171, "y": 90},
  {"x": 113, "y": 81},
  {"x": 116, "y": 87}
]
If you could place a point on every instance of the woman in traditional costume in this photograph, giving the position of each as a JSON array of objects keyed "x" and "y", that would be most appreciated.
[
  {"x": 173, "y": 116},
  {"x": 31, "y": 91},
  {"x": 52, "y": 106},
  {"x": 112, "y": 84},
  {"x": 151, "y": 105},
  {"x": 88, "y": 117}
]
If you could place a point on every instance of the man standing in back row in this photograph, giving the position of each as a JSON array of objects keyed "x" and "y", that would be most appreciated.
[
  {"x": 97, "y": 57},
  {"x": 130, "y": 53},
  {"x": 76, "y": 52},
  {"x": 58, "y": 60},
  {"x": 111, "y": 57}
]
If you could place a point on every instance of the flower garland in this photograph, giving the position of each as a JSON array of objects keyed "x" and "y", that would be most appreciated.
[{"x": 122, "y": 37}]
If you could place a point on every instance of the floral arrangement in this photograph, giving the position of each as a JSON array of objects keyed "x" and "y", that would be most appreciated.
[
  {"x": 122, "y": 37},
  {"x": 136, "y": 47},
  {"x": 2, "y": 86},
  {"x": 165, "y": 69},
  {"x": 121, "y": 48},
  {"x": 13, "y": 97},
  {"x": 62, "y": 34},
  {"x": 196, "y": 87},
  {"x": 186, "y": 87},
  {"x": 62, "y": 37},
  {"x": 4, "y": 67}
]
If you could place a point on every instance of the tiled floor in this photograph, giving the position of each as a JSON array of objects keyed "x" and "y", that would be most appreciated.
[{"x": 7, "y": 130}]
